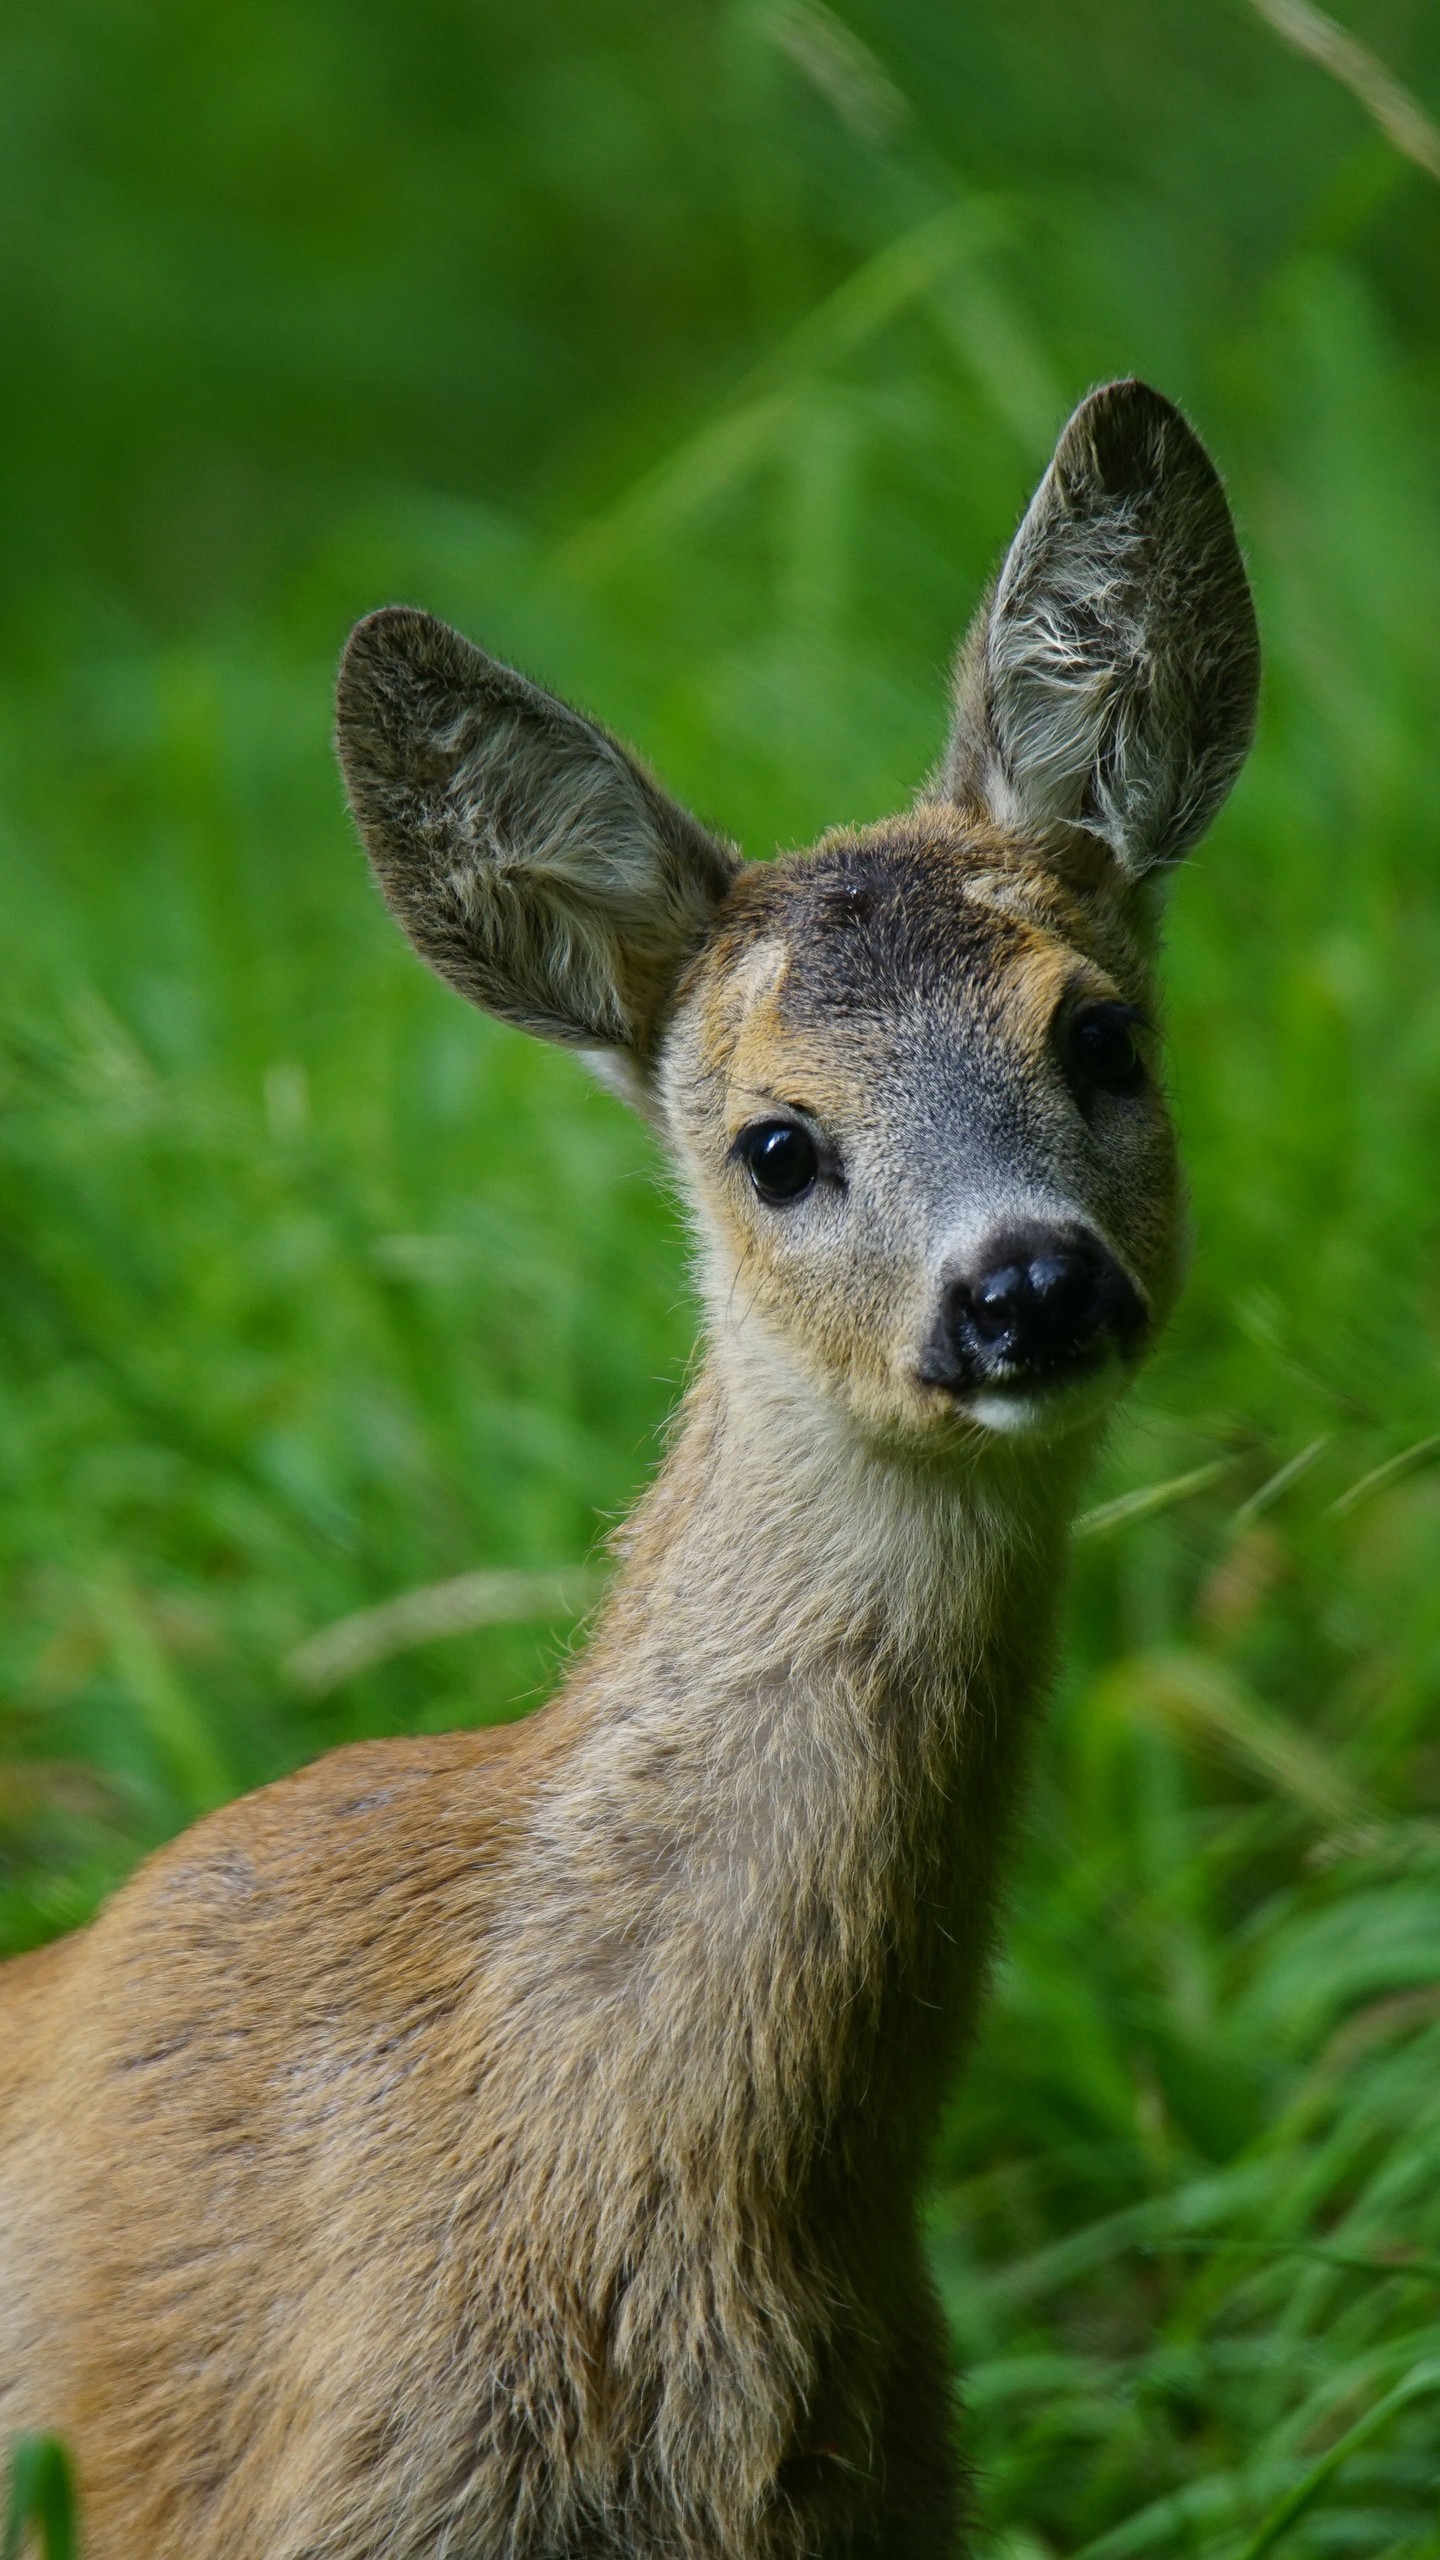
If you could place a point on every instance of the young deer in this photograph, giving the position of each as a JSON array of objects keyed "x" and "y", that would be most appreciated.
[{"x": 509, "y": 2144}]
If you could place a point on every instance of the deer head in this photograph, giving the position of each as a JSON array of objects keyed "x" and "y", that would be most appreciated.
[{"x": 910, "y": 1077}]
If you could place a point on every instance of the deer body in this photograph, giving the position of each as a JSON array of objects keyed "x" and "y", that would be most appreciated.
[
  {"x": 605, "y": 2034},
  {"x": 507, "y": 2146}
]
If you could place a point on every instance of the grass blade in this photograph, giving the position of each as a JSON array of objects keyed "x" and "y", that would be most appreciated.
[
  {"x": 1399, "y": 115},
  {"x": 1269, "y": 1493},
  {"x": 1424, "y": 2379},
  {"x": 1382, "y": 1477},
  {"x": 1204, "y": 1699},
  {"x": 42, "y": 2499},
  {"x": 1148, "y": 1499},
  {"x": 454, "y": 1608}
]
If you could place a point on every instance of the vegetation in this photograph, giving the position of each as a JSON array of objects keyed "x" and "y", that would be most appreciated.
[
  {"x": 699, "y": 359},
  {"x": 41, "y": 2500}
]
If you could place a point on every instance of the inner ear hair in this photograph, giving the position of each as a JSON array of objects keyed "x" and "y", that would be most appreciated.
[
  {"x": 529, "y": 857},
  {"x": 1110, "y": 680}
]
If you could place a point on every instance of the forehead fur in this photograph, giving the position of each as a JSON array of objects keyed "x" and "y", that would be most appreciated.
[{"x": 923, "y": 910}]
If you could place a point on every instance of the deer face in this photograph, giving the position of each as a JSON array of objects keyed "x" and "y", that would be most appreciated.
[
  {"x": 910, "y": 1077},
  {"x": 913, "y": 1086}
]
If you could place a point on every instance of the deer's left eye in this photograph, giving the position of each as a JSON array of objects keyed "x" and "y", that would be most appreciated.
[{"x": 1101, "y": 1049}]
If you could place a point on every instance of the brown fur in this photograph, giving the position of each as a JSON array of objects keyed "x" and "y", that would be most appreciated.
[{"x": 507, "y": 2146}]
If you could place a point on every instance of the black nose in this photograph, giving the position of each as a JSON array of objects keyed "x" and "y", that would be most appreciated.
[
  {"x": 1047, "y": 1303},
  {"x": 1036, "y": 1305}
]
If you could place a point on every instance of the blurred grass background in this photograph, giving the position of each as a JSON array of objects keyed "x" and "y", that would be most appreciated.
[{"x": 700, "y": 357}]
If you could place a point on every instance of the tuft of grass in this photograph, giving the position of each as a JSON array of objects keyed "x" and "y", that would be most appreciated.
[{"x": 41, "y": 2501}]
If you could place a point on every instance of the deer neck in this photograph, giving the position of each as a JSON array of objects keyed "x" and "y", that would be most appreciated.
[{"x": 790, "y": 1756}]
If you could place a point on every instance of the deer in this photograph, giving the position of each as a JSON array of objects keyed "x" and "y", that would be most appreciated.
[{"x": 512, "y": 2145}]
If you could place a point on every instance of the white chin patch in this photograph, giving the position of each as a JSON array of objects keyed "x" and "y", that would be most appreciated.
[{"x": 1046, "y": 1413}]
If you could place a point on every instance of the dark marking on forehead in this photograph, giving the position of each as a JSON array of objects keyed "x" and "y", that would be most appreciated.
[{"x": 875, "y": 923}]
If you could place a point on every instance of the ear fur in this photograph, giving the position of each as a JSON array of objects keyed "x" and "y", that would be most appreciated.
[
  {"x": 530, "y": 860},
  {"x": 1109, "y": 682}
]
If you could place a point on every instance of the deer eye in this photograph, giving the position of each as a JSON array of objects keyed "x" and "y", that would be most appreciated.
[
  {"x": 779, "y": 1157},
  {"x": 1101, "y": 1049}
]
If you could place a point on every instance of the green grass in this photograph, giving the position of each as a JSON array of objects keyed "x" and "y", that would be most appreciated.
[
  {"x": 708, "y": 386},
  {"x": 41, "y": 2500}
]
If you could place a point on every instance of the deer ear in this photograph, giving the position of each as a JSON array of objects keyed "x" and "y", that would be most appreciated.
[
  {"x": 529, "y": 859},
  {"x": 1109, "y": 681}
]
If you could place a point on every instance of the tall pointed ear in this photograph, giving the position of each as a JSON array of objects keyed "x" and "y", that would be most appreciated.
[
  {"x": 529, "y": 859},
  {"x": 1110, "y": 680}
]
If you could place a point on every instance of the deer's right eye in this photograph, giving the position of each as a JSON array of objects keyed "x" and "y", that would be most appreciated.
[{"x": 779, "y": 1157}]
